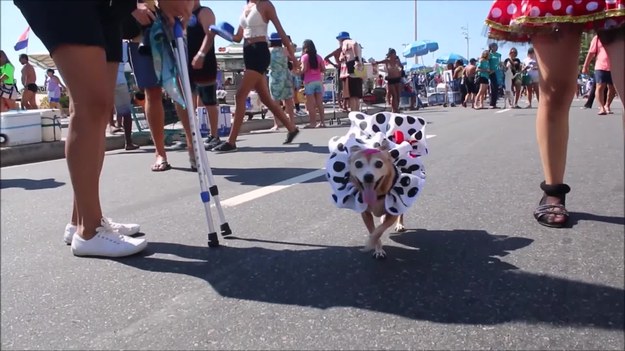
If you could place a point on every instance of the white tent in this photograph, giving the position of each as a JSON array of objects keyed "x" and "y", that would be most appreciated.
[{"x": 42, "y": 60}]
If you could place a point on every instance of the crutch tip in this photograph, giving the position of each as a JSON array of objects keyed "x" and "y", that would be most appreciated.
[
  {"x": 213, "y": 240},
  {"x": 225, "y": 229}
]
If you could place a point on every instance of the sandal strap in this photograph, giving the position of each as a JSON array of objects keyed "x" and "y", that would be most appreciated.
[
  {"x": 551, "y": 209},
  {"x": 556, "y": 190}
]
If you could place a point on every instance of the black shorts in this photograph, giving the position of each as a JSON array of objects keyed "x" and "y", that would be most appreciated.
[
  {"x": 354, "y": 87},
  {"x": 206, "y": 92},
  {"x": 469, "y": 83},
  {"x": 32, "y": 87},
  {"x": 482, "y": 80},
  {"x": 256, "y": 57},
  {"x": 396, "y": 80},
  {"x": 604, "y": 77},
  {"x": 87, "y": 22}
]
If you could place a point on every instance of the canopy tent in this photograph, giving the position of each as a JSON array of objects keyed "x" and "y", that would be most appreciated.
[{"x": 42, "y": 60}]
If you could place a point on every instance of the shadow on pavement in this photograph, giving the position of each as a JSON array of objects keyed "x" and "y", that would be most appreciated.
[
  {"x": 440, "y": 276},
  {"x": 286, "y": 148},
  {"x": 576, "y": 217},
  {"x": 265, "y": 176},
  {"x": 30, "y": 184}
]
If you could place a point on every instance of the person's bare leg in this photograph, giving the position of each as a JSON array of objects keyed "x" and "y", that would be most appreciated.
[
  {"x": 557, "y": 59},
  {"x": 213, "y": 119},
  {"x": 155, "y": 114},
  {"x": 318, "y": 97},
  {"x": 265, "y": 97},
  {"x": 530, "y": 90},
  {"x": 616, "y": 51},
  {"x": 289, "y": 109},
  {"x": 247, "y": 84},
  {"x": 599, "y": 93},
  {"x": 611, "y": 96},
  {"x": 84, "y": 148},
  {"x": 311, "y": 109},
  {"x": 184, "y": 119},
  {"x": 537, "y": 91}
]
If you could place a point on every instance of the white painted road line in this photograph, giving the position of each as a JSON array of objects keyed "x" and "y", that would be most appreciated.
[
  {"x": 504, "y": 110},
  {"x": 258, "y": 193},
  {"x": 270, "y": 189}
]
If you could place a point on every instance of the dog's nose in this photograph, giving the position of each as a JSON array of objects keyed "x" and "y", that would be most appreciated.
[{"x": 368, "y": 178}]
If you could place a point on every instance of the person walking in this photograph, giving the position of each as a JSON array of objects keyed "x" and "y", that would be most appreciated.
[
  {"x": 253, "y": 31},
  {"x": 604, "y": 87},
  {"x": 29, "y": 81},
  {"x": 555, "y": 33}
]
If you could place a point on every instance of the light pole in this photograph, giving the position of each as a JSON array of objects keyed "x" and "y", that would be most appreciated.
[
  {"x": 465, "y": 32},
  {"x": 416, "y": 59}
]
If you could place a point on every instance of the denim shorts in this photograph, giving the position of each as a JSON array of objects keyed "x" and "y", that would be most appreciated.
[
  {"x": 604, "y": 77},
  {"x": 313, "y": 88}
]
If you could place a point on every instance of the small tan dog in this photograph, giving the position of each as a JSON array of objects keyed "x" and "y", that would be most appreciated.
[{"x": 373, "y": 173}]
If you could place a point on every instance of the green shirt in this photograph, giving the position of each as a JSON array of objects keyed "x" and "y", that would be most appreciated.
[
  {"x": 495, "y": 61},
  {"x": 484, "y": 64},
  {"x": 8, "y": 70}
]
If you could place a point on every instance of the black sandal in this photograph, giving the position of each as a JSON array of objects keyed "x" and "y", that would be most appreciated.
[{"x": 545, "y": 212}]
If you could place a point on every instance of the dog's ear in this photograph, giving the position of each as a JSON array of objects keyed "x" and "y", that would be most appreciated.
[
  {"x": 354, "y": 149},
  {"x": 385, "y": 145}
]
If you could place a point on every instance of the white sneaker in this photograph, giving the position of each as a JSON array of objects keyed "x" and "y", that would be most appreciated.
[
  {"x": 121, "y": 228},
  {"x": 107, "y": 243}
]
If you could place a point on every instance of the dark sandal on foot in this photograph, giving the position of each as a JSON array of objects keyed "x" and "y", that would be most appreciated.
[
  {"x": 161, "y": 166},
  {"x": 545, "y": 213}
]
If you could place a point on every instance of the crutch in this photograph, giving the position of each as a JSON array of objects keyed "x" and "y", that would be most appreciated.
[{"x": 207, "y": 181}]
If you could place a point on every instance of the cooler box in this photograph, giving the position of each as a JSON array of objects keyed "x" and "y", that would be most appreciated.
[
  {"x": 436, "y": 99},
  {"x": 225, "y": 121},
  {"x": 253, "y": 103},
  {"x": 202, "y": 117},
  {"x": 20, "y": 127},
  {"x": 50, "y": 125}
]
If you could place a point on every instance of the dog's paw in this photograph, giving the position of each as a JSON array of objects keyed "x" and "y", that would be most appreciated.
[
  {"x": 379, "y": 253},
  {"x": 369, "y": 245},
  {"x": 400, "y": 228}
]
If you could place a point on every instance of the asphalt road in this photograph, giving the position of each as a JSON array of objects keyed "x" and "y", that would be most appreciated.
[{"x": 474, "y": 270}]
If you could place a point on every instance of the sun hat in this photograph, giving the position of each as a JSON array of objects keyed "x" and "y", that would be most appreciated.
[
  {"x": 275, "y": 37},
  {"x": 343, "y": 35},
  {"x": 223, "y": 29}
]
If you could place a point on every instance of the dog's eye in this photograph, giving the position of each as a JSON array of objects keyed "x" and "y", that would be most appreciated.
[
  {"x": 358, "y": 164},
  {"x": 378, "y": 164}
]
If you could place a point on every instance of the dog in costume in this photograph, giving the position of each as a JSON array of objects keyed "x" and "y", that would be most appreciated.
[{"x": 375, "y": 169}]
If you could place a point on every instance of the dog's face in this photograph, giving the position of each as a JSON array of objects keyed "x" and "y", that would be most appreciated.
[{"x": 372, "y": 172}]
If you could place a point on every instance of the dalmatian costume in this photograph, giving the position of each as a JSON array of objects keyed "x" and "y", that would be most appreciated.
[{"x": 406, "y": 137}]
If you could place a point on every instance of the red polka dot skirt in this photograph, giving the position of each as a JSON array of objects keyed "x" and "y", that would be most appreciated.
[{"x": 517, "y": 20}]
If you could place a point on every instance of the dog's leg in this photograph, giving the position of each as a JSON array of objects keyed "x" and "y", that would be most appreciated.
[
  {"x": 399, "y": 226},
  {"x": 375, "y": 240},
  {"x": 367, "y": 217}
]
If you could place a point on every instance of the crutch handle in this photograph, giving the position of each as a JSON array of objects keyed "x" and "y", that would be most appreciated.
[{"x": 178, "y": 32}]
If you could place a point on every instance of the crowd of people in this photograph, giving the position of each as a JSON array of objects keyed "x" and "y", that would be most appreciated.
[{"x": 94, "y": 54}]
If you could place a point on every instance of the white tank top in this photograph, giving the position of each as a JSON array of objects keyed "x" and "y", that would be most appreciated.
[{"x": 253, "y": 25}]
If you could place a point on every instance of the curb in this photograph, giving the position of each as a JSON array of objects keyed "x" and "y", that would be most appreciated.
[{"x": 46, "y": 151}]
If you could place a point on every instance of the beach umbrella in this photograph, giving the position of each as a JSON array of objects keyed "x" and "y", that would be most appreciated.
[
  {"x": 450, "y": 58},
  {"x": 420, "y": 48}
]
